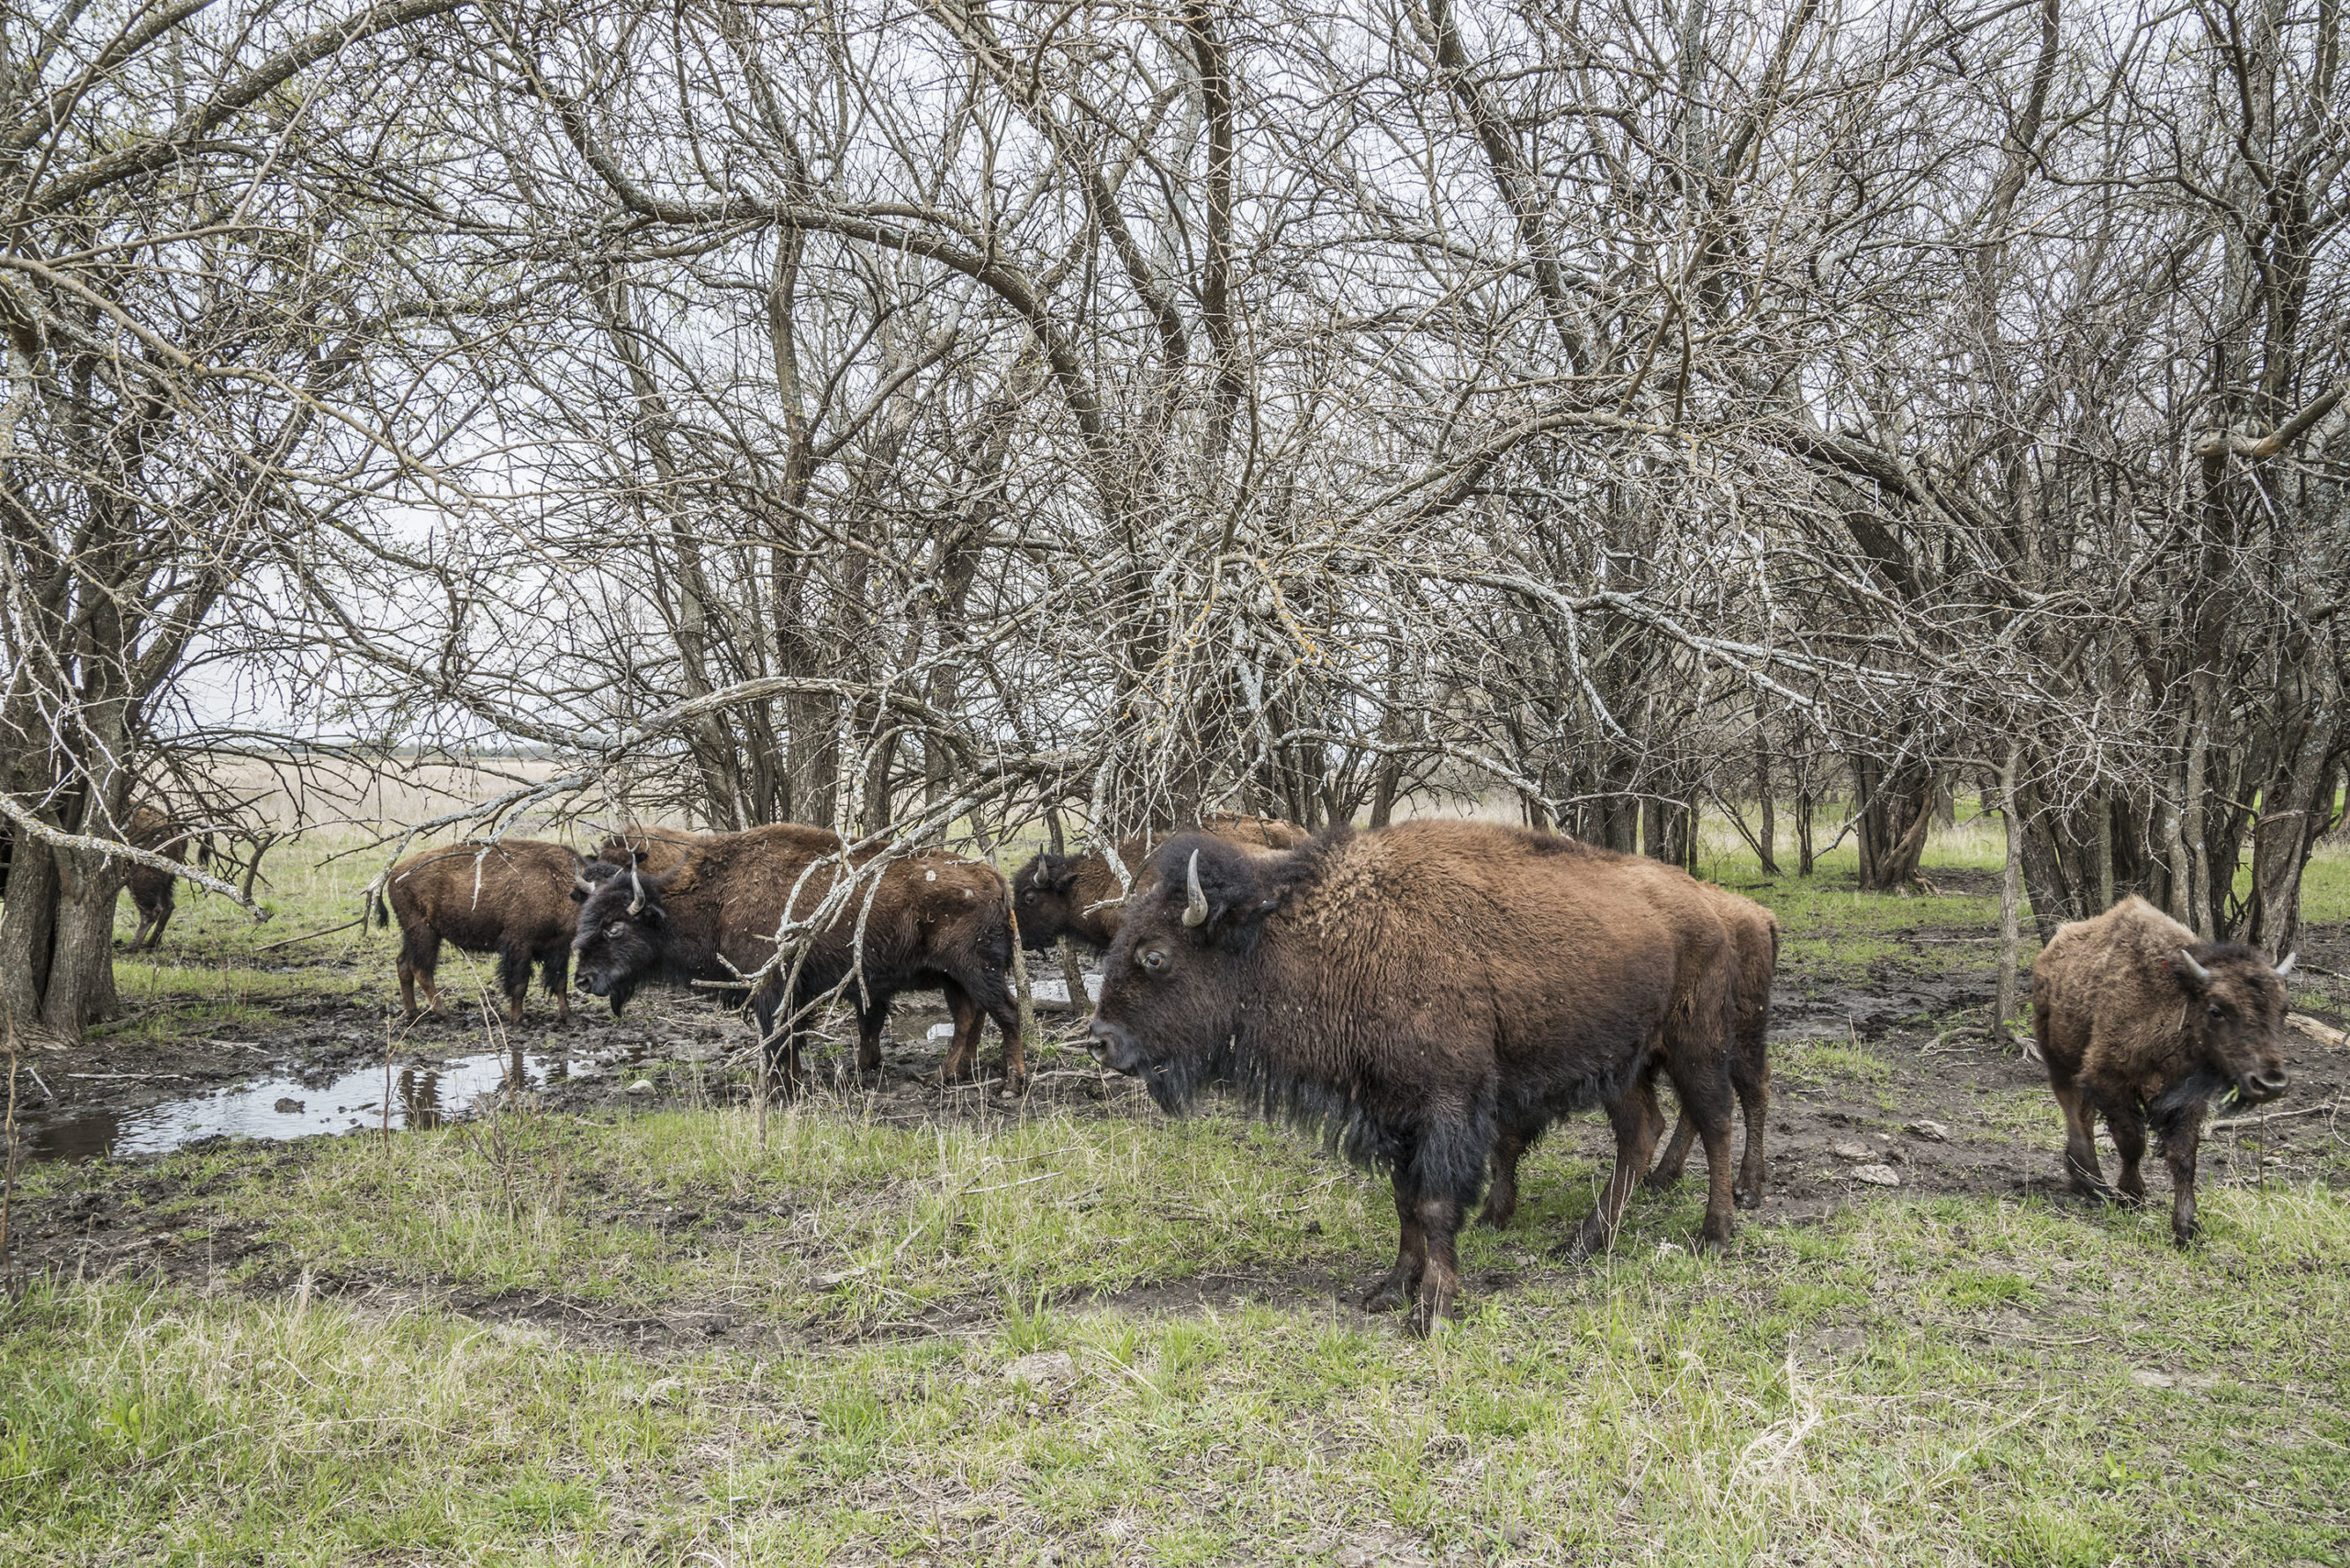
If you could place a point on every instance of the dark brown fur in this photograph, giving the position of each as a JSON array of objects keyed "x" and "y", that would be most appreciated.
[
  {"x": 937, "y": 921},
  {"x": 1754, "y": 936},
  {"x": 1078, "y": 896},
  {"x": 1416, "y": 988},
  {"x": 152, "y": 893},
  {"x": 2130, "y": 1034},
  {"x": 1753, "y": 933},
  {"x": 656, "y": 850},
  {"x": 511, "y": 898}
]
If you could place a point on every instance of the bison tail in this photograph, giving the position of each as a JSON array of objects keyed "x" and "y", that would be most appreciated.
[{"x": 374, "y": 907}]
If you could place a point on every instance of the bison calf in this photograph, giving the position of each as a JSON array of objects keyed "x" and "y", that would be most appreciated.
[
  {"x": 511, "y": 898},
  {"x": 1079, "y": 896},
  {"x": 935, "y": 921},
  {"x": 2141, "y": 1024},
  {"x": 1415, "y": 990}
]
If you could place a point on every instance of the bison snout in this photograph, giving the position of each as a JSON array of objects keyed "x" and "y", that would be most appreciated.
[
  {"x": 2260, "y": 1084},
  {"x": 1112, "y": 1046}
]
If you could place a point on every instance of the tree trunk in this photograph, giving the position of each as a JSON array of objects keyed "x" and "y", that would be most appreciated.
[
  {"x": 1802, "y": 832},
  {"x": 78, "y": 988},
  {"x": 2010, "y": 899},
  {"x": 1767, "y": 839}
]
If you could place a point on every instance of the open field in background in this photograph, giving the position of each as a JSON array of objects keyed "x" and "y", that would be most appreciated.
[{"x": 893, "y": 1325}]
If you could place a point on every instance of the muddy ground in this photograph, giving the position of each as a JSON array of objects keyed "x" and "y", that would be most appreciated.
[{"x": 1893, "y": 1071}]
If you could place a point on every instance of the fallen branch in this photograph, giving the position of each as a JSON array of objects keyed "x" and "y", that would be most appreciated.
[
  {"x": 309, "y": 935},
  {"x": 2276, "y": 1117}
]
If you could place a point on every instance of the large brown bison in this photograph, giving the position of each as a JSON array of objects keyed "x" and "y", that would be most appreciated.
[
  {"x": 1753, "y": 933},
  {"x": 2141, "y": 1024},
  {"x": 511, "y": 898},
  {"x": 935, "y": 921},
  {"x": 654, "y": 850},
  {"x": 1078, "y": 896},
  {"x": 1412, "y": 990}
]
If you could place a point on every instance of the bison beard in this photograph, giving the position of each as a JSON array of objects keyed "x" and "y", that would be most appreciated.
[{"x": 1412, "y": 990}]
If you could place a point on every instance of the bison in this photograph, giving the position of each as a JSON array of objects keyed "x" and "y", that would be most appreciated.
[
  {"x": 654, "y": 850},
  {"x": 1412, "y": 990},
  {"x": 1753, "y": 935},
  {"x": 934, "y": 921},
  {"x": 2141, "y": 1024},
  {"x": 153, "y": 890},
  {"x": 511, "y": 898},
  {"x": 1078, "y": 896}
]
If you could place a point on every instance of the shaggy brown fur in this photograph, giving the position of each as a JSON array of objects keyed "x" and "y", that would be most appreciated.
[
  {"x": 1078, "y": 896},
  {"x": 2133, "y": 1032},
  {"x": 1414, "y": 989},
  {"x": 935, "y": 920},
  {"x": 154, "y": 893},
  {"x": 1753, "y": 933},
  {"x": 656, "y": 850},
  {"x": 511, "y": 898}
]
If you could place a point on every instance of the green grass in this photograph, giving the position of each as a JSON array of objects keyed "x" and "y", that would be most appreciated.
[
  {"x": 1938, "y": 1381},
  {"x": 1914, "y": 1383}
]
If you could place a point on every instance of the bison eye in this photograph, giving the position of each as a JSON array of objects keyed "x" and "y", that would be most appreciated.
[
  {"x": 616, "y": 928},
  {"x": 2214, "y": 1009},
  {"x": 1154, "y": 960}
]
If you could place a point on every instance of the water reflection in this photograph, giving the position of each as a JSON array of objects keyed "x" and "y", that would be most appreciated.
[{"x": 289, "y": 1106}]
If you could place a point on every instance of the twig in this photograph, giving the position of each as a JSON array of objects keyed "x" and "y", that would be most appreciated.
[
  {"x": 309, "y": 935},
  {"x": 2233, "y": 1121}
]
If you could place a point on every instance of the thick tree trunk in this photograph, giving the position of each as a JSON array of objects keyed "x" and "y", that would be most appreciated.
[
  {"x": 78, "y": 988},
  {"x": 1767, "y": 837},
  {"x": 27, "y": 919}
]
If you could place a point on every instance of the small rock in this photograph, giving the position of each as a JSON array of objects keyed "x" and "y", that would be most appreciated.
[
  {"x": 287, "y": 1106},
  {"x": 1933, "y": 1132},
  {"x": 641, "y": 1086},
  {"x": 1044, "y": 1368},
  {"x": 1877, "y": 1175},
  {"x": 1854, "y": 1150},
  {"x": 2153, "y": 1380}
]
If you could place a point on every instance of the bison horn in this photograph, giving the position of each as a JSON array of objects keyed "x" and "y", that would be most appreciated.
[
  {"x": 1195, "y": 913},
  {"x": 582, "y": 884},
  {"x": 2193, "y": 971},
  {"x": 636, "y": 891},
  {"x": 2287, "y": 967}
]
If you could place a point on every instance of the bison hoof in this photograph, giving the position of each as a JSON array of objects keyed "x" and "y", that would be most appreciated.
[
  {"x": 1661, "y": 1179},
  {"x": 1745, "y": 1198},
  {"x": 1384, "y": 1297},
  {"x": 1014, "y": 1086},
  {"x": 1494, "y": 1218},
  {"x": 2183, "y": 1235}
]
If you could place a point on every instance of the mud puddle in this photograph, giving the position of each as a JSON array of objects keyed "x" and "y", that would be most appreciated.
[{"x": 291, "y": 1103}]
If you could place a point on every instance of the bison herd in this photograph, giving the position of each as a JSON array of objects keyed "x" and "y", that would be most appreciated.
[{"x": 1429, "y": 996}]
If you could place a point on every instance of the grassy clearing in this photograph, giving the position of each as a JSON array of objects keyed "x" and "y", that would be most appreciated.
[
  {"x": 364, "y": 1379},
  {"x": 1937, "y": 1381}
]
